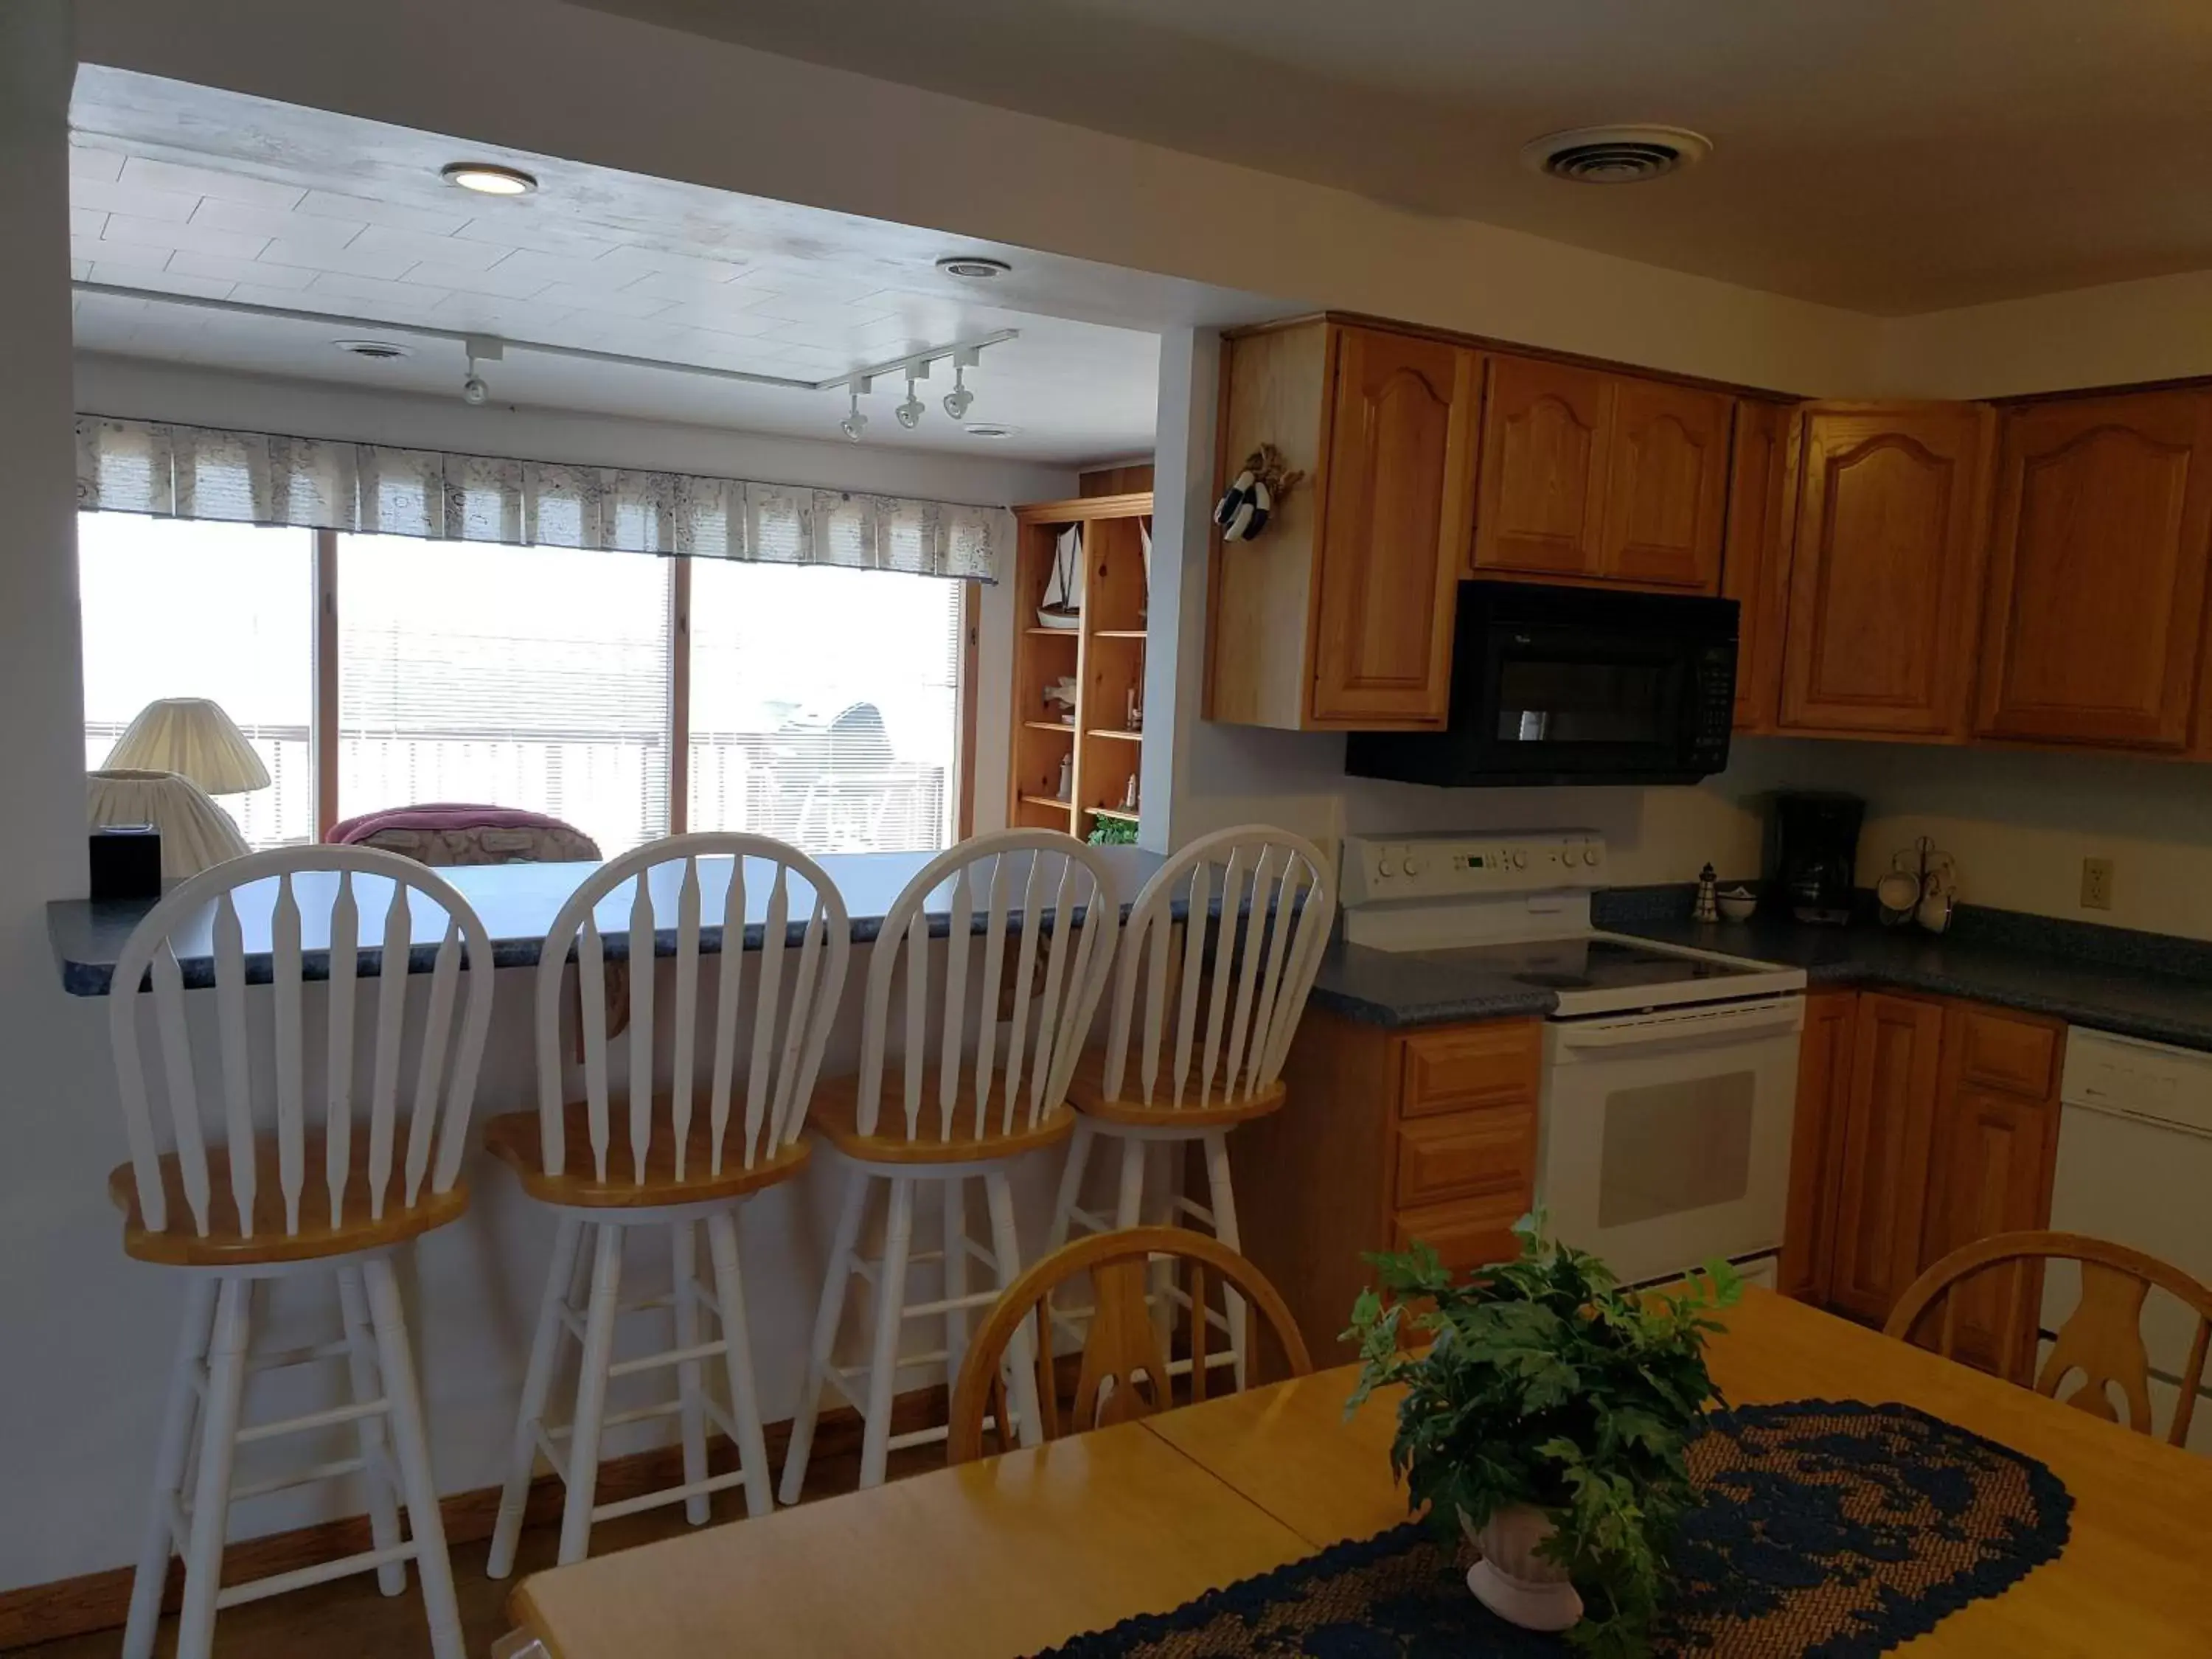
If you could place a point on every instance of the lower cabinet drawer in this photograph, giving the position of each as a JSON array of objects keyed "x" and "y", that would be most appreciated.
[
  {"x": 1468, "y": 1234},
  {"x": 1464, "y": 1154}
]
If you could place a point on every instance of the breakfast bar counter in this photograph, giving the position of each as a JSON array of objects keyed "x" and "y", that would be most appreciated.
[{"x": 517, "y": 902}]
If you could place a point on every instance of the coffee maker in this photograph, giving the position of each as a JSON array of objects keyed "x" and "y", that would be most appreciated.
[{"x": 1812, "y": 856}]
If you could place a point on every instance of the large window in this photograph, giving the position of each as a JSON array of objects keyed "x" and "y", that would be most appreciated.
[
  {"x": 175, "y": 608},
  {"x": 626, "y": 694},
  {"x": 529, "y": 677},
  {"x": 825, "y": 705}
]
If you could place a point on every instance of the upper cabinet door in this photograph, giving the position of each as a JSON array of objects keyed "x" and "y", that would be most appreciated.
[
  {"x": 1754, "y": 569},
  {"x": 1665, "y": 492},
  {"x": 2096, "y": 594},
  {"x": 1885, "y": 568},
  {"x": 1395, "y": 529},
  {"x": 1544, "y": 432}
]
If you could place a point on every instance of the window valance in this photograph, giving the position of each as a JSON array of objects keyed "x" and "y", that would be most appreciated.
[{"x": 258, "y": 478}]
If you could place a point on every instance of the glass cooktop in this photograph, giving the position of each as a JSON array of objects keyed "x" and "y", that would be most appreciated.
[{"x": 1595, "y": 964}]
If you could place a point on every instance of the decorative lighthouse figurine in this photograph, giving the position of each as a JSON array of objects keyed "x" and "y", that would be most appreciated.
[{"x": 1708, "y": 905}]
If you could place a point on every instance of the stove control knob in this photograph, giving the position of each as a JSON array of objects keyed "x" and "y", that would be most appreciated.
[
  {"x": 1593, "y": 853},
  {"x": 1570, "y": 855},
  {"x": 1520, "y": 858},
  {"x": 1415, "y": 865}
]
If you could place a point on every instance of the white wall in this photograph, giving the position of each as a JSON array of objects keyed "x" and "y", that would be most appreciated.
[
  {"x": 74, "y": 1321},
  {"x": 134, "y": 387}
]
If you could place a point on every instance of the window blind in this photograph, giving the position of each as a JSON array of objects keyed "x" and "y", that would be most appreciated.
[{"x": 265, "y": 479}]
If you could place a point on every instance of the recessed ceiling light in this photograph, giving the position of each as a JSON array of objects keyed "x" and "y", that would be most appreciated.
[
  {"x": 990, "y": 429},
  {"x": 1615, "y": 155},
  {"x": 488, "y": 178},
  {"x": 382, "y": 351},
  {"x": 973, "y": 267}
]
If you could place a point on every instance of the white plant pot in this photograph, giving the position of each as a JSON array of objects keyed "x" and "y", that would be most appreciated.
[{"x": 1513, "y": 1582}]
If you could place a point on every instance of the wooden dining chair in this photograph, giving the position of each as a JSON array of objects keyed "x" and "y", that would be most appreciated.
[
  {"x": 347, "y": 1149},
  {"x": 1127, "y": 1371},
  {"x": 2101, "y": 1340},
  {"x": 979, "y": 1078},
  {"x": 705, "y": 1111},
  {"x": 1202, "y": 1021}
]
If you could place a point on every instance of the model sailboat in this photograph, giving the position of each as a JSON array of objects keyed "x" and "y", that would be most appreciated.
[{"x": 1063, "y": 589}]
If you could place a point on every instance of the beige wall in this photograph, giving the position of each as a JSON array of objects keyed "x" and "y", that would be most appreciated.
[{"x": 2122, "y": 332}]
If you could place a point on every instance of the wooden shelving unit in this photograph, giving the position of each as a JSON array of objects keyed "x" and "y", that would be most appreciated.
[{"x": 1106, "y": 656}]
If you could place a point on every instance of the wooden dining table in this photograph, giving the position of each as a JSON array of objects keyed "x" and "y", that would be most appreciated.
[{"x": 1016, "y": 1554}]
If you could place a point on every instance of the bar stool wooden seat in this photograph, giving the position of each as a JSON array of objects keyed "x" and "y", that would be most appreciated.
[
  {"x": 1204, "y": 1012},
  {"x": 706, "y": 1110},
  {"x": 986, "y": 1048},
  {"x": 346, "y": 1178}
]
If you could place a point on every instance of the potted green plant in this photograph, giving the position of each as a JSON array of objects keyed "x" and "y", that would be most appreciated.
[{"x": 1547, "y": 1418}]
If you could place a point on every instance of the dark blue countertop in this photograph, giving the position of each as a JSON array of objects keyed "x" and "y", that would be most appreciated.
[
  {"x": 2169, "y": 999},
  {"x": 2152, "y": 985},
  {"x": 1404, "y": 987},
  {"x": 517, "y": 902}
]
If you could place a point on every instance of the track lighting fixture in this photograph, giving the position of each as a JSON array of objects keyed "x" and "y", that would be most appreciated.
[
  {"x": 854, "y": 422},
  {"x": 960, "y": 399},
  {"x": 910, "y": 412},
  {"x": 479, "y": 348}
]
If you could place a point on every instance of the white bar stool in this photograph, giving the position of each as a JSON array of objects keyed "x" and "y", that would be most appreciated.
[
  {"x": 343, "y": 1183},
  {"x": 688, "y": 1154},
  {"x": 982, "y": 1079},
  {"x": 1275, "y": 903}
]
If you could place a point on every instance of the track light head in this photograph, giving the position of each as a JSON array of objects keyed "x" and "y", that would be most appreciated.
[
  {"x": 910, "y": 412},
  {"x": 854, "y": 422},
  {"x": 960, "y": 399}
]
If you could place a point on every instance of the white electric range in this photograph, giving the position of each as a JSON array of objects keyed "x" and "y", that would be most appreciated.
[{"x": 1670, "y": 1074}]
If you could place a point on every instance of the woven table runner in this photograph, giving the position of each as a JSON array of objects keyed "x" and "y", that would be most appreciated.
[{"x": 1828, "y": 1528}]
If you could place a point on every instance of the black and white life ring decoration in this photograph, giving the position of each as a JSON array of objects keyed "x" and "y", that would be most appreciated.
[
  {"x": 1242, "y": 512},
  {"x": 1251, "y": 497}
]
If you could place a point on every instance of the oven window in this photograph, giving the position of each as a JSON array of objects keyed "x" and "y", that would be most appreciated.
[
  {"x": 1672, "y": 1147},
  {"x": 1541, "y": 702}
]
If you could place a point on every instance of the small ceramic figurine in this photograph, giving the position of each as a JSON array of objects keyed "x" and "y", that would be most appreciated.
[{"x": 1708, "y": 906}]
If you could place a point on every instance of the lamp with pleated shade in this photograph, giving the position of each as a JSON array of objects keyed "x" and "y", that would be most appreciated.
[{"x": 194, "y": 738}]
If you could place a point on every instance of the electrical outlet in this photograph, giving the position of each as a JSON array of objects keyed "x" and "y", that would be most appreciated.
[{"x": 2096, "y": 884}]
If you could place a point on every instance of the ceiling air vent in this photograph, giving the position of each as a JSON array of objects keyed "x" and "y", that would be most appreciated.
[
  {"x": 1615, "y": 155},
  {"x": 382, "y": 351}
]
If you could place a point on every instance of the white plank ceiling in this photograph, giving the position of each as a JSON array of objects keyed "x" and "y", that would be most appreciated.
[{"x": 186, "y": 190}]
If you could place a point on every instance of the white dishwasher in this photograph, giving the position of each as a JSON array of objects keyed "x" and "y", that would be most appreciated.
[{"x": 2135, "y": 1166}]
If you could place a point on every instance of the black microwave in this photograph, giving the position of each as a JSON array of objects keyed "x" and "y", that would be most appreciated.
[{"x": 1554, "y": 684}]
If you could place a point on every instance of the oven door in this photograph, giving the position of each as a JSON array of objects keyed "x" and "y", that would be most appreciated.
[{"x": 1666, "y": 1133}]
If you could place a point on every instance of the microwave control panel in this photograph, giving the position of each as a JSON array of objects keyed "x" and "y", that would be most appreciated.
[{"x": 1380, "y": 869}]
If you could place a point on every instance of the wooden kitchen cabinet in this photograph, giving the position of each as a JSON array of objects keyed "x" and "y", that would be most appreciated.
[
  {"x": 1754, "y": 565},
  {"x": 1816, "y": 1144},
  {"x": 1888, "y": 1122},
  {"x": 2095, "y": 627},
  {"x": 1388, "y": 1137},
  {"x": 1923, "y": 1123},
  {"x": 1887, "y": 554},
  {"x": 1666, "y": 490},
  {"x": 1994, "y": 1153},
  {"x": 1340, "y": 616},
  {"x": 1601, "y": 477},
  {"x": 1541, "y": 509}
]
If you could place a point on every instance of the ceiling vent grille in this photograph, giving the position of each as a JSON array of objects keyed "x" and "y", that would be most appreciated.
[
  {"x": 1615, "y": 155},
  {"x": 382, "y": 351}
]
